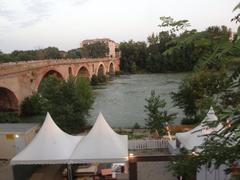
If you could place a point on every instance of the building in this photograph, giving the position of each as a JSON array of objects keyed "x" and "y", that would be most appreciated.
[
  {"x": 15, "y": 137},
  {"x": 112, "y": 45}
]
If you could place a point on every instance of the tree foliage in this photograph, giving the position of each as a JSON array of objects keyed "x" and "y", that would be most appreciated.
[
  {"x": 39, "y": 54},
  {"x": 157, "y": 116},
  {"x": 175, "y": 49},
  {"x": 74, "y": 53},
  {"x": 133, "y": 56},
  {"x": 173, "y": 25},
  {"x": 210, "y": 83},
  {"x": 237, "y": 17},
  {"x": 68, "y": 102},
  {"x": 32, "y": 105},
  {"x": 94, "y": 50}
]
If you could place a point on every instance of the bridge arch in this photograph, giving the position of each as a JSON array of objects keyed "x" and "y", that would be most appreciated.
[
  {"x": 84, "y": 72},
  {"x": 8, "y": 100},
  {"x": 111, "y": 69},
  {"x": 70, "y": 73},
  {"x": 101, "y": 70},
  {"x": 47, "y": 74}
]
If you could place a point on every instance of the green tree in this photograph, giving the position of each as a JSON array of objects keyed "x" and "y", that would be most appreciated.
[
  {"x": 32, "y": 105},
  {"x": 174, "y": 26},
  {"x": 52, "y": 53},
  {"x": 184, "y": 165},
  {"x": 68, "y": 102},
  {"x": 157, "y": 116},
  {"x": 74, "y": 53},
  {"x": 133, "y": 56},
  {"x": 198, "y": 91},
  {"x": 237, "y": 17},
  {"x": 95, "y": 50},
  {"x": 212, "y": 82}
]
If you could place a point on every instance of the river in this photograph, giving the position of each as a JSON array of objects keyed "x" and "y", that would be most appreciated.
[{"x": 122, "y": 100}]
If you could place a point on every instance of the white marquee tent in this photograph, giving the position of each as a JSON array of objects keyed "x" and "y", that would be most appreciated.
[
  {"x": 196, "y": 136},
  {"x": 53, "y": 146},
  {"x": 101, "y": 144},
  {"x": 50, "y": 146}
]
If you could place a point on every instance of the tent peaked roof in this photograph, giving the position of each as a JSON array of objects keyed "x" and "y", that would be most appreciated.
[
  {"x": 196, "y": 136},
  {"x": 211, "y": 116},
  {"x": 50, "y": 146},
  {"x": 101, "y": 144}
]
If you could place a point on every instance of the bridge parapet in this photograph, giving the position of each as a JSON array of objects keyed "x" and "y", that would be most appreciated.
[{"x": 18, "y": 67}]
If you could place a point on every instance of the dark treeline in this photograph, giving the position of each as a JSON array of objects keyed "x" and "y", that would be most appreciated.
[
  {"x": 175, "y": 49},
  {"x": 96, "y": 50},
  {"x": 47, "y": 53}
]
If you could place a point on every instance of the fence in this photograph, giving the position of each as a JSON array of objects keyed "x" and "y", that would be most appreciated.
[
  {"x": 172, "y": 147},
  {"x": 147, "y": 144}
]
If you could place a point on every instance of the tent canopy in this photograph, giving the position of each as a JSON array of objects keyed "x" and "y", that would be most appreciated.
[
  {"x": 50, "y": 146},
  {"x": 53, "y": 146},
  {"x": 196, "y": 136},
  {"x": 101, "y": 144}
]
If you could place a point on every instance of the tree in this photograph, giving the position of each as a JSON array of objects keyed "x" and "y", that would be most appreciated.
[
  {"x": 174, "y": 26},
  {"x": 32, "y": 105},
  {"x": 68, "y": 102},
  {"x": 212, "y": 82},
  {"x": 133, "y": 56},
  {"x": 153, "y": 39},
  {"x": 157, "y": 116},
  {"x": 184, "y": 165},
  {"x": 95, "y": 50},
  {"x": 237, "y": 17},
  {"x": 199, "y": 91},
  {"x": 52, "y": 53},
  {"x": 74, "y": 53}
]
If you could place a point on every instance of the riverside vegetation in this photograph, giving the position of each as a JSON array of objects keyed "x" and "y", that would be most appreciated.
[{"x": 212, "y": 57}]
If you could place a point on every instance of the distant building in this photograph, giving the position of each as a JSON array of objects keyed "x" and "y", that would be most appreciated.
[{"x": 112, "y": 45}]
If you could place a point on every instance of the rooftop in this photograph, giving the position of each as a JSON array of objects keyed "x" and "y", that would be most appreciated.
[
  {"x": 95, "y": 40},
  {"x": 16, "y": 127}
]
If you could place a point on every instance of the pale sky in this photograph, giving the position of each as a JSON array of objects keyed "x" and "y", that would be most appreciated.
[{"x": 34, "y": 24}]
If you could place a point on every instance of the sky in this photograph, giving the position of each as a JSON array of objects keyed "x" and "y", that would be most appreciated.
[{"x": 34, "y": 24}]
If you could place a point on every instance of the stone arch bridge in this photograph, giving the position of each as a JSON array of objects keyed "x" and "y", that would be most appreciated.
[{"x": 22, "y": 79}]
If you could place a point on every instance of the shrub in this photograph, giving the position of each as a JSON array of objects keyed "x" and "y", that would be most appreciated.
[
  {"x": 136, "y": 126},
  {"x": 6, "y": 117},
  {"x": 94, "y": 80},
  {"x": 32, "y": 105}
]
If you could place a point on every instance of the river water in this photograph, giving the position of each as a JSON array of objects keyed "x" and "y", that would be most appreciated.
[{"x": 122, "y": 100}]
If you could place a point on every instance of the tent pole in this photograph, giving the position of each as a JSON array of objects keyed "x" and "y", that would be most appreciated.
[{"x": 69, "y": 172}]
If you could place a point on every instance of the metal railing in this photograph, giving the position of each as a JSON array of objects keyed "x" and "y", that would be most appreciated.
[{"x": 147, "y": 144}]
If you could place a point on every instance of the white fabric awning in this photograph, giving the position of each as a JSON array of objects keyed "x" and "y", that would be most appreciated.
[
  {"x": 101, "y": 145},
  {"x": 53, "y": 146},
  {"x": 196, "y": 136},
  {"x": 50, "y": 146}
]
